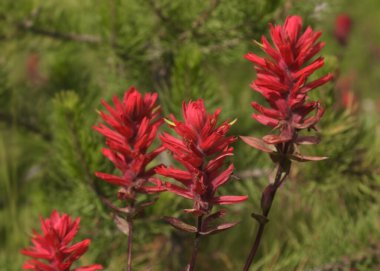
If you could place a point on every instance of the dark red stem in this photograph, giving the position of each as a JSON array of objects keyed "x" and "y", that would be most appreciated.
[
  {"x": 277, "y": 182},
  {"x": 130, "y": 239},
  {"x": 191, "y": 265}
]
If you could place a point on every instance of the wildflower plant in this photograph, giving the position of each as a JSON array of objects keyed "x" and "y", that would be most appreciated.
[
  {"x": 201, "y": 150},
  {"x": 283, "y": 80},
  {"x": 52, "y": 249},
  {"x": 131, "y": 131},
  {"x": 201, "y": 147}
]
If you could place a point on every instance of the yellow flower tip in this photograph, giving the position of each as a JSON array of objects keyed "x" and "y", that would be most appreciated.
[
  {"x": 169, "y": 122},
  {"x": 258, "y": 43},
  {"x": 156, "y": 109},
  {"x": 232, "y": 122}
]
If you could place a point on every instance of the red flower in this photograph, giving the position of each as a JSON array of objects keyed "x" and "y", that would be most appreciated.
[
  {"x": 342, "y": 29},
  {"x": 282, "y": 78},
  {"x": 133, "y": 125},
  {"x": 51, "y": 250},
  {"x": 201, "y": 148}
]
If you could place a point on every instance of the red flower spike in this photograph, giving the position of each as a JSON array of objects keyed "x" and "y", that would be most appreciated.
[
  {"x": 51, "y": 250},
  {"x": 343, "y": 25},
  {"x": 283, "y": 79},
  {"x": 201, "y": 148},
  {"x": 132, "y": 128}
]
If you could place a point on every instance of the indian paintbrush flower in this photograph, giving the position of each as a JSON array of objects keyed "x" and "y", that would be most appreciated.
[
  {"x": 52, "y": 251},
  {"x": 283, "y": 80},
  {"x": 131, "y": 131},
  {"x": 202, "y": 147},
  {"x": 133, "y": 125}
]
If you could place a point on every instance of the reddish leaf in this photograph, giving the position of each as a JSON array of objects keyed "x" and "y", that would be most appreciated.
[
  {"x": 194, "y": 212},
  {"x": 90, "y": 268},
  {"x": 303, "y": 158},
  {"x": 213, "y": 217},
  {"x": 179, "y": 224},
  {"x": 275, "y": 139},
  {"x": 121, "y": 224},
  {"x": 260, "y": 218},
  {"x": 257, "y": 143},
  {"x": 307, "y": 140},
  {"x": 224, "y": 200},
  {"x": 275, "y": 157},
  {"x": 144, "y": 204},
  {"x": 218, "y": 229},
  {"x": 216, "y": 215},
  {"x": 267, "y": 197}
]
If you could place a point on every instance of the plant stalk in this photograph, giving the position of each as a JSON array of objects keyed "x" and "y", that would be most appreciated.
[
  {"x": 191, "y": 265},
  {"x": 277, "y": 182},
  {"x": 130, "y": 239}
]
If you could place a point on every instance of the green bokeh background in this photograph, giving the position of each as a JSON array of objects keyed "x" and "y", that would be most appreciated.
[{"x": 59, "y": 58}]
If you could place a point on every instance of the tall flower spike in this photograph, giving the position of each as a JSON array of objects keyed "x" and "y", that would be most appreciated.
[
  {"x": 201, "y": 148},
  {"x": 133, "y": 125},
  {"x": 51, "y": 249},
  {"x": 283, "y": 80}
]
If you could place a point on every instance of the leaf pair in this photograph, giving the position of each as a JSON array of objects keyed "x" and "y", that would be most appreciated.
[
  {"x": 259, "y": 144},
  {"x": 206, "y": 228}
]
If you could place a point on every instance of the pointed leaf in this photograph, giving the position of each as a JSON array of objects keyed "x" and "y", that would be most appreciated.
[
  {"x": 257, "y": 143},
  {"x": 303, "y": 158},
  {"x": 276, "y": 139},
  {"x": 267, "y": 197},
  {"x": 93, "y": 267},
  {"x": 218, "y": 229},
  {"x": 224, "y": 200},
  {"x": 179, "y": 224},
  {"x": 121, "y": 224},
  {"x": 214, "y": 216},
  {"x": 195, "y": 212},
  {"x": 144, "y": 204},
  {"x": 307, "y": 140},
  {"x": 275, "y": 157},
  {"x": 260, "y": 218}
]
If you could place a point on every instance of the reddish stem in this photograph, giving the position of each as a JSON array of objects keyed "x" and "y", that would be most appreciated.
[
  {"x": 277, "y": 182},
  {"x": 130, "y": 239},
  {"x": 191, "y": 265}
]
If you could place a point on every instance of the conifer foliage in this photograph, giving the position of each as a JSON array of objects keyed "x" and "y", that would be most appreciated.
[{"x": 130, "y": 177}]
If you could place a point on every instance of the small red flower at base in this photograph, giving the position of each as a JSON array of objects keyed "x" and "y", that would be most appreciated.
[
  {"x": 282, "y": 78},
  {"x": 201, "y": 148},
  {"x": 133, "y": 125},
  {"x": 51, "y": 250}
]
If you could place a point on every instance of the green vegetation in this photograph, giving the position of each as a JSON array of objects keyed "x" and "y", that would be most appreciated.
[{"x": 59, "y": 58}]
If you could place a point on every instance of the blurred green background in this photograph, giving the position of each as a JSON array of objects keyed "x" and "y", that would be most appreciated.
[{"x": 59, "y": 58}]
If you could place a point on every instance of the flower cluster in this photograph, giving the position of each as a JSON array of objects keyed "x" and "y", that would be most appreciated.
[
  {"x": 53, "y": 246},
  {"x": 133, "y": 125},
  {"x": 201, "y": 148},
  {"x": 282, "y": 79}
]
